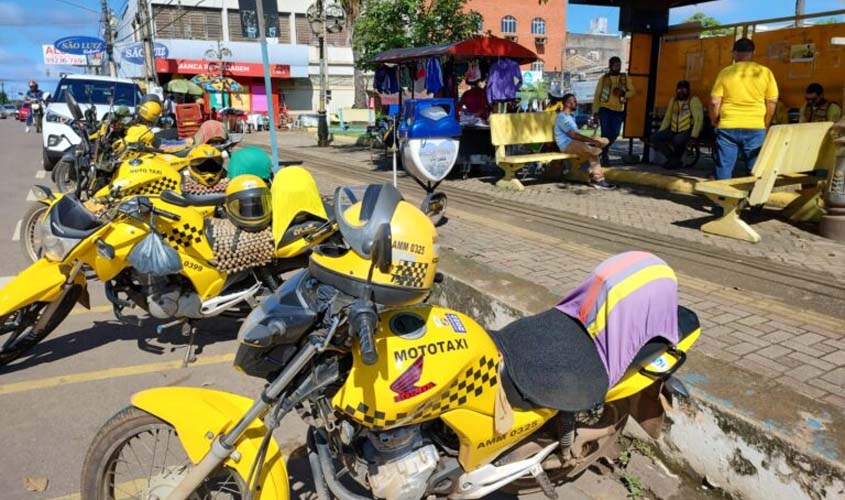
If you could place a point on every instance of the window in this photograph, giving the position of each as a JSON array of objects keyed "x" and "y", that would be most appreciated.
[
  {"x": 537, "y": 66},
  {"x": 98, "y": 92},
  {"x": 508, "y": 24},
  {"x": 480, "y": 26},
  {"x": 538, "y": 26}
]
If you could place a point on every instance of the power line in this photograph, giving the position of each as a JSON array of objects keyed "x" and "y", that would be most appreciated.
[{"x": 78, "y": 6}]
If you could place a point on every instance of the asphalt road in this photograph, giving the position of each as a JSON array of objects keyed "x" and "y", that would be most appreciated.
[{"x": 53, "y": 401}]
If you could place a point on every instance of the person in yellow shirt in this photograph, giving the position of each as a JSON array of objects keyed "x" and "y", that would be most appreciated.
[
  {"x": 612, "y": 92},
  {"x": 781, "y": 114},
  {"x": 817, "y": 108},
  {"x": 681, "y": 124},
  {"x": 742, "y": 104}
]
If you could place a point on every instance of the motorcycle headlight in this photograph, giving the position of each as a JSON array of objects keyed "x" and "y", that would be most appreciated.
[
  {"x": 54, "y": 247},
  {"x": 57, "y": 118}
]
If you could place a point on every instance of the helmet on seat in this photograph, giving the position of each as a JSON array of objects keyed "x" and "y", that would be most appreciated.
[
  {"x": 150, "y": 108},
  {"x": 412, "y": 252},
  {"x": 249, "y": 203},
  {"x": 252, "y": 161},
  {"x": 205, "y": 164}
]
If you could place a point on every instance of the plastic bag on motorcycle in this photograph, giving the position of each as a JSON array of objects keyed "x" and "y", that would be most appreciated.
[{"x": 155, "y": 257}]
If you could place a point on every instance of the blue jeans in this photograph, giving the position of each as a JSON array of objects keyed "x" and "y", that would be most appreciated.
[
  {"x": 729, "y": 141},
  {"x": 611, "y": 124}
]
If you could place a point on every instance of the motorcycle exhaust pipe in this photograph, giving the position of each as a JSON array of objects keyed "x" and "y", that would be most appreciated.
[{"x": 327, "y": 470}]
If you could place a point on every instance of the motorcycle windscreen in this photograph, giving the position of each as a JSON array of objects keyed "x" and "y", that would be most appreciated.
[{"x": 296, "y": 200}]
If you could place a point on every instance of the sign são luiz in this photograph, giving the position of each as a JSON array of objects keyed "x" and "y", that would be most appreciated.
[
  {"x": 135, "y": 53},
  {"x": 80, "y": 45}
]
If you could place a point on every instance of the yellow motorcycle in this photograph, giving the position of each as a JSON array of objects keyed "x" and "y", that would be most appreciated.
[
  {"x": 407, "y": 400},
  {"x": 162, "y": 255}
]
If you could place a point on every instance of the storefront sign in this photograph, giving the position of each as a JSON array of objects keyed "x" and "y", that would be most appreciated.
[
  {"x": 249, "y": 18},
  {"x": 195, "y": 67},
  {"x": 55, "y": 56},
  {"x": 135, "y": 53},
  {"x": 80, "y": 45}
]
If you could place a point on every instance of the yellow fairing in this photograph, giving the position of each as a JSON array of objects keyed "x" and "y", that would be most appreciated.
[
  {"x": 448, "y": 369},
  {"x": 139, "y": 134},
  {"x": 199, "y": 415},
  {"x": 40, "y": 282},
  {"x": 294, "y": 192},
  {"x": 146, "y": 175},
  {"x": 122, "y": 237},
  {"x": 634, "y": 381}
]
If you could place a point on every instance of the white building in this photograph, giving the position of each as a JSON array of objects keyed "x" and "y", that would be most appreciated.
[{"x": 185, "y": 30}]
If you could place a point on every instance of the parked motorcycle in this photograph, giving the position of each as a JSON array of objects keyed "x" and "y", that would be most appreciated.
[
  {"x": 407, "y": 400},
  {"x": 210, "y": 266}
]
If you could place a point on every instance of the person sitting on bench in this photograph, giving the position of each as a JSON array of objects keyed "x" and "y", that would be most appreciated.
[
  {"x": 681, "y": 125},
  {"x": 587, "y": 148}
]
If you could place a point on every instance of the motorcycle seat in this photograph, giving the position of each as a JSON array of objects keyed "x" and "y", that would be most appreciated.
[
  {"x": 70, "y": 219},
  {"x": 551, "y": 362},
  {"x": 193, "y": 200}
]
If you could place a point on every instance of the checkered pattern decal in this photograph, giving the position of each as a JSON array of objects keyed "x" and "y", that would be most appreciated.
[
  {"x": 411, "y": 274},
  {"x": 184, "y": 236},
  {"x": 152, "y": 188},
  {"x": 472, "y": 383}
]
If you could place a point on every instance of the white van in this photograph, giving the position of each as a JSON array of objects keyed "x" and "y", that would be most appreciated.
[{"x": 101, "y": 92}]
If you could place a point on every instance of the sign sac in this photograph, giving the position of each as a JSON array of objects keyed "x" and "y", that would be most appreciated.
[{"x": 80, "y": 45}]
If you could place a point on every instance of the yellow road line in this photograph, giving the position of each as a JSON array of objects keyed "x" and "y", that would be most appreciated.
[
  {"x": 124, "y": 371},
  {"x": 93, "y": 310}
]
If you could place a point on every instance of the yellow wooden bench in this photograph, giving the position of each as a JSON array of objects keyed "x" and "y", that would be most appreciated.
[
  {"x": 790, "y": 155},
  {"x": 510, "y": 129}
]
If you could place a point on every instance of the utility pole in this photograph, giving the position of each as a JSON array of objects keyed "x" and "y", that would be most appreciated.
[
  {"x": 799, "y": 11},
  {"x": 107, "y": 34},
  {"x": 146, "y": 24},
  {"x": 268, "y": 83}
]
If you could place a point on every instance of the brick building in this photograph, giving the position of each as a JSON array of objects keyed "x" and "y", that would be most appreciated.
[{"x": 539, "y": 26}]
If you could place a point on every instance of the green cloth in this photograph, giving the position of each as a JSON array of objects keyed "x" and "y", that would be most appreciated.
[{"x": 251, "y": 160}]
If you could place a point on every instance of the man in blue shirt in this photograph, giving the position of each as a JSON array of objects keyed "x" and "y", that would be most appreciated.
[{"x": 588, "y": 149}]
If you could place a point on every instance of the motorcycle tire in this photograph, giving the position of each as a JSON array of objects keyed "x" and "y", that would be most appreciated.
[
  {"x": 64, "y": 176},
  {"x": 30, "y": 245},
  {"x": 128, "y": 426},
  {"x": 32, "y": 323}
]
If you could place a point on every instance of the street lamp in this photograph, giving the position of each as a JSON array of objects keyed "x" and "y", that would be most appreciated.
[{"x": 324, "y": 18}]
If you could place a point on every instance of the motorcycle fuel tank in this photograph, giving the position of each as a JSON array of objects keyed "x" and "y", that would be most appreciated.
[
  {"x": 434, "y": 363},
  {"x": 148, "y": 175}
]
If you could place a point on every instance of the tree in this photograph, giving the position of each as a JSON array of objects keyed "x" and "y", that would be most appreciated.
[
  {"x": 393, "y": 24},
  {"x": 353, "y": 10},
  {"x": 706, "y": 21},
  {"x": 4, "y": 99}
]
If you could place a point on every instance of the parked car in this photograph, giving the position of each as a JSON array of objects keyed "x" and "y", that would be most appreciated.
[
  {"x": 11, "y": 111},
  {"x": 4, "y": 113},
  {"x": 99, "y": 92},
  {"x": 23, "y": 112}
]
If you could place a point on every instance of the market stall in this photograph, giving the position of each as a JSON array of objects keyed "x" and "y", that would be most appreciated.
[{"x": 487, "y": 68}]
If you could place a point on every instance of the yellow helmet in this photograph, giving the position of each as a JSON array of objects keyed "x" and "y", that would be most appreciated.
[
  {"x": 249, "y": 203},
  {"x": 413, "y": 254},
  {"x": 205, "y": 164},
  {"x": 150, "y": 108}
]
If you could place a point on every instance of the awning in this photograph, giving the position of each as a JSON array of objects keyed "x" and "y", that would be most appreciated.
[
  {"x": 487, "y": 46},
  {"x": 199, "y": 66}
]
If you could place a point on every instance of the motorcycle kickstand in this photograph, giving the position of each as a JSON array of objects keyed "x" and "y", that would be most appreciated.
[
  {"x": 543, "y": 480},
  {"x": 188, "y": 330}
]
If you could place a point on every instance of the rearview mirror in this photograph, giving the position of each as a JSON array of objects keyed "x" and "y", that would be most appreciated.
[
  {"x": 382, "y": 250},
  {"x": 73, "y": 106},
  {"x": 46, "y": 96},
  {"x": 434, "y": 206}
]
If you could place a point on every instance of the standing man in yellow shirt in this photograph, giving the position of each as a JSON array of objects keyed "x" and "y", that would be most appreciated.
[
  {"x": 681, "y": 124},
  {"x": 742, "y": 104},
  {"x": 612, "y": 92},
  {"x": 817, "y": 108}
]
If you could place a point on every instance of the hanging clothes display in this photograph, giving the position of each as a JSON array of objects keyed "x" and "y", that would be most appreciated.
[
  {"x": 433, "y": 75},
  {"x": 386, "y": 79},
  {"x": 504, "y": 80},
  {"x": 405, "y": 81}
]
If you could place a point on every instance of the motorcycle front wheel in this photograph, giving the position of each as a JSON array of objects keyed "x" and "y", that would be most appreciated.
[
  {"x": 65, "y": 178},
  {"x": 137, "y": 455},
  {"x": 30, "y": 241},
  {"x": 21, "y": 330}
]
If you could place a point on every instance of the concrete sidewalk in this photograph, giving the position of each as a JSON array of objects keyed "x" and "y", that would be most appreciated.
[{"x": 776, "y": 370}]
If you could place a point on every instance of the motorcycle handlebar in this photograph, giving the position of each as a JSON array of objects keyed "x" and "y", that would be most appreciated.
[
  {"x": 166, "y": 214},
  {"x": 363, "y": 320}
]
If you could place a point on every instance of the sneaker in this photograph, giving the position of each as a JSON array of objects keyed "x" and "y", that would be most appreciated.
[{"x": 602, "y": 185}]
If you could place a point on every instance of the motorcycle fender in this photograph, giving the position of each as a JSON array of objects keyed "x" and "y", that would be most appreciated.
[
  {"x": 40, "y": 282},
  {"x": 199, "y": 415}
]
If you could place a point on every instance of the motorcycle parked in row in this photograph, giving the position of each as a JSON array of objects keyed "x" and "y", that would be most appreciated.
[
  {"x": 162, "y": 255},
  {"x": 408, "y": 400}
]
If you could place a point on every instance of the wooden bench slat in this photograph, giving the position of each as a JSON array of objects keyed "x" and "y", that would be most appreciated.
[{"x": 535, "y": 157}]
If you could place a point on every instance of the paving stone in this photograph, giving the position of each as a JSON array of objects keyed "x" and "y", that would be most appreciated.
[
  {"x": 812, "y": 361},
  {"x": 836, "y": 377},
  {"x": 817, "y": 351},
  {"x": 755, "y": 357},
  {"x": 754, "y": 319},
  {"x": 801, "y": 387},
  {"x": 743, "y": 348},
  {"x": 824, "y": 385},
  {"x": 778, "y": 336},
  {"x": 837, "y": 358},
  {"x": 809, "y": 339},
  {"x": 836, "y": 401},
  {"x": 773, "y": 351}
]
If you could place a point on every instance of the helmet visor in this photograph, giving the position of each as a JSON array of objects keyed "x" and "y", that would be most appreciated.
[{"x": 250, "y": 208}]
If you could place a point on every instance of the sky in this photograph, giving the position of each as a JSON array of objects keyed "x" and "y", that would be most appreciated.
[{"x": 27, "y": 24}]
